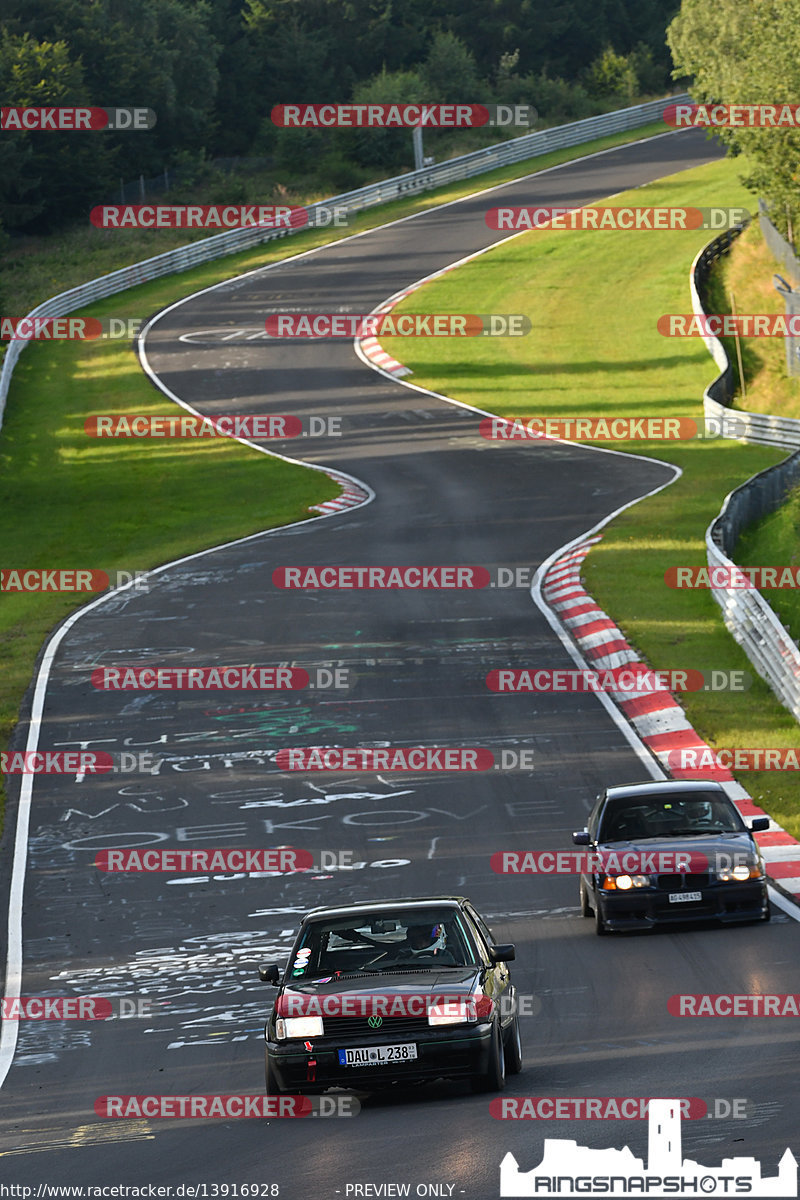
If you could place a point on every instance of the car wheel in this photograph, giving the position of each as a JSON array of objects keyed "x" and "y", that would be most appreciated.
[
  {"x": 272, "y": 1087},
  {"x": 768, "y": 914},
  {"x": 586, "y": 908},
  {"x": 599, "y": 923},
  {"x": 512, "y": 1051},
  {"x": 495, "y": 1078}
]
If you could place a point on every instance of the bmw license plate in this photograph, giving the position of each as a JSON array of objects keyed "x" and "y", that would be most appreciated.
[
  {"x": 682, "y": 897},
  {"x": 375, "y": 1056}
]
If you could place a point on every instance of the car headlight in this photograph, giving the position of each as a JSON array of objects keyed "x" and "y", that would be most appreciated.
[
  {"x": 624, "y": 883},
  {"x": 298, "y": 1027},
  {"x": 741, "y": 873},
  {"x": 461, "y": 1012}
]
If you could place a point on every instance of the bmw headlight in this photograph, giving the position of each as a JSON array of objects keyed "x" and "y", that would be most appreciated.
[
  {"x": 741, "y": 873},
  {"x": 298, "y": 1027},
  {"x": 624, "y": 883}
]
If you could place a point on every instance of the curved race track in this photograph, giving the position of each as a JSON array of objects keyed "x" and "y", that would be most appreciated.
[{"x": 419, "y": 659}]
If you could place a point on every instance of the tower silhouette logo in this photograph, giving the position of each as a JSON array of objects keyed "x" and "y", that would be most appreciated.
[{"x": 568, "y": 1169}]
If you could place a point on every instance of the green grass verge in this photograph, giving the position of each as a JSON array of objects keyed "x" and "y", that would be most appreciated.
[
  {"x": 69, "y": 501},
  {"x": 594, "y": 299}
]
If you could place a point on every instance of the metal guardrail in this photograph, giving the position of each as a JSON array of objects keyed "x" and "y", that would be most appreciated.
[
  {"x": 231, "y": 242},
  {"x": 762, "y": 429},
  {"x": 747, "y": 615}
]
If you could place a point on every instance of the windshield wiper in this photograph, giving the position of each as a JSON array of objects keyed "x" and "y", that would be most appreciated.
[{"x": 426, "y": 967}]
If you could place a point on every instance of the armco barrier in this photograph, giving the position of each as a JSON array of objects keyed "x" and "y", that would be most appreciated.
[
  {"x": 515, "y": 150},
  {"x": 761, "y": 429},
  {"x": 747, "y": 615}
]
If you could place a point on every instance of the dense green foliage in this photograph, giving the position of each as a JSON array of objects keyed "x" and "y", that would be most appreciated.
[
  {"x": 213, "y": 69},
  {"x": 746, "y": 52}
]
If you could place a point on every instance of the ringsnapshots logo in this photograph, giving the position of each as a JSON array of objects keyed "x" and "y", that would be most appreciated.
[
  {"x": 415, "y": 325},
  {"x": 569, "y": 1170},
  {"x": 652, "y": 219},
  {"x": 401, "y": 116},
  {"x": 70, "y": 118}
]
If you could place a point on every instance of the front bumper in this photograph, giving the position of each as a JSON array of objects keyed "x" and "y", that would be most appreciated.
[
  {"x": 724, "y": 902},
  {"x": 453, "y": 1052}
]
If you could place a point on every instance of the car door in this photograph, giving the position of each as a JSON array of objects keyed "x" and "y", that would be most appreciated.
[{"x": 497, "y": 977}]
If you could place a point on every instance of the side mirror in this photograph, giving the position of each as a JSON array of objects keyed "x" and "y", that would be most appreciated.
[
  {"x": 581, "y": 837},
  {"x": 505, "y": 952},
  {"x": 270, "y": 974},
  {"x": 759, "y": 824}
]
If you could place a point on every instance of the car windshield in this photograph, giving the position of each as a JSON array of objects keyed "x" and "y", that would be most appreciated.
[
  {"x": 401, "y": 939},
  {"x": 692, "y": 814}
]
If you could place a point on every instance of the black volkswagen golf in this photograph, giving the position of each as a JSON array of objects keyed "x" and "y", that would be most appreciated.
[
  {"x": 392, "y": 992},
  {"x": 645, "y": 828}
]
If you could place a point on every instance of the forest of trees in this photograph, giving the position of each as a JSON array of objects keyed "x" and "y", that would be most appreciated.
[{"x": 213, "y": 69}]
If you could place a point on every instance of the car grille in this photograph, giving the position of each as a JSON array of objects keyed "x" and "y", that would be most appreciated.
[
  {"x": 392, "y": 1028},
  {"x": 683, "y": 883}
]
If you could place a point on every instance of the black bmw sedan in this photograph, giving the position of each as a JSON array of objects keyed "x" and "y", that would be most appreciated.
[
  {"x": 675, "y": 851},
  {"x": 392, "y": 992}
]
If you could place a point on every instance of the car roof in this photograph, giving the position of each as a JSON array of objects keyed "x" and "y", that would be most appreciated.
[
  {"x": 375, "y": 905},
  {"x": 665, "y": 787}
]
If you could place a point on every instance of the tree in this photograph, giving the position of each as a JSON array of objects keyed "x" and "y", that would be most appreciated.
[
  {"x": 49, "y": 176},
  {"x": 745, "y": 53}
]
